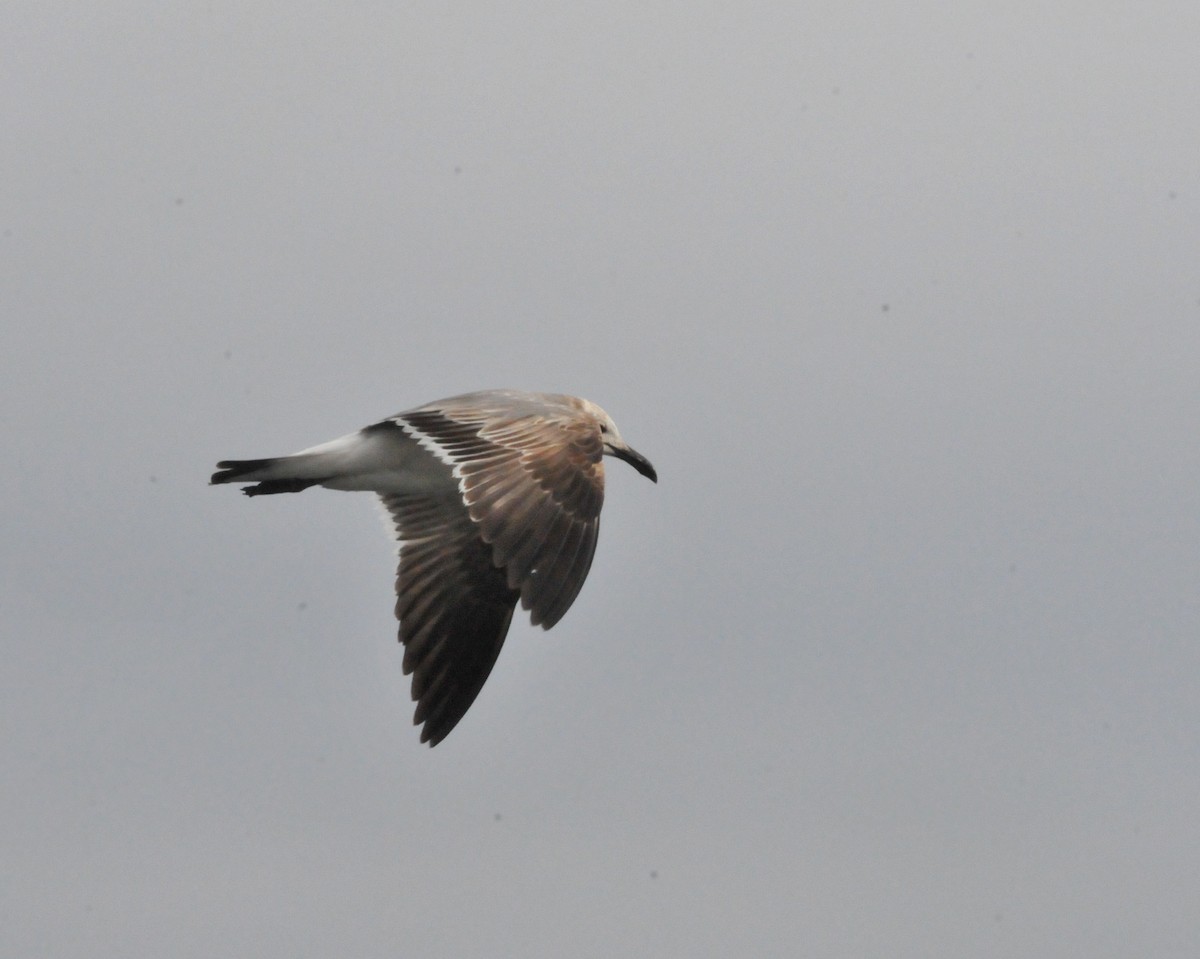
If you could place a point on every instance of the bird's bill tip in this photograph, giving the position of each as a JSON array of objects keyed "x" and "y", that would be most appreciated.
[{"x": 637, "y": 461}]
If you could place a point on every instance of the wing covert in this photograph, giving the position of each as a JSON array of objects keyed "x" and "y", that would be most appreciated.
[{"x": 534, "y": 486}]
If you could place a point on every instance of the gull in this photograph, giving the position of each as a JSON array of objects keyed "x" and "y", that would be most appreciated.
[{"x": 493, "y": 497}]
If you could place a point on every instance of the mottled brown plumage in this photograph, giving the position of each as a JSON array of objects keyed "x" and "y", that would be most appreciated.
[{"x": 494, "y": 497}]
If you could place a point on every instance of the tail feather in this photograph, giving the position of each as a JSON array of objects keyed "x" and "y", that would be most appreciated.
[
  {"x": 358, "y": 461},
  {"x": 269, "y": 475}
]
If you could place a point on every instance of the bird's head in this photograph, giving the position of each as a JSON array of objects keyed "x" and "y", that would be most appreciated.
[{"x": 614, "y": 445}]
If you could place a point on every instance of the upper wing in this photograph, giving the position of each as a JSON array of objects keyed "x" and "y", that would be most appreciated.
[{"x": 533, "y": 485}]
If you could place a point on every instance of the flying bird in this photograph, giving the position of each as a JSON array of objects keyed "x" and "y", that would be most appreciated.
[{"x": 493, "y": 497}]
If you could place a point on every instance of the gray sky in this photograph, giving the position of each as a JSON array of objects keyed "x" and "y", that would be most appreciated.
[{"x": 900, "y": 657}]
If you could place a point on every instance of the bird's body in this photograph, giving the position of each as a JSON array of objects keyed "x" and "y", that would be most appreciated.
[{"x": 494, "y": 497}]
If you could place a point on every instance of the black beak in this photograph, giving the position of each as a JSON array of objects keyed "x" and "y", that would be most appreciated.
[{"x": 637, "y": 461}]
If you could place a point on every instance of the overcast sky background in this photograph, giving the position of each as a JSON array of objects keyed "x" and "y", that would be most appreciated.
[{"x": 900, "y": 657}]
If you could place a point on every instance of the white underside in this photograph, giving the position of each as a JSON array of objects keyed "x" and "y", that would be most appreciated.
[{"x": 381, "y": 461}]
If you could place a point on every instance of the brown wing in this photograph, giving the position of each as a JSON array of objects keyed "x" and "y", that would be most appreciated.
[
  {"x": 534, "y": 486},
  {"x": 453, "y": 604}
]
